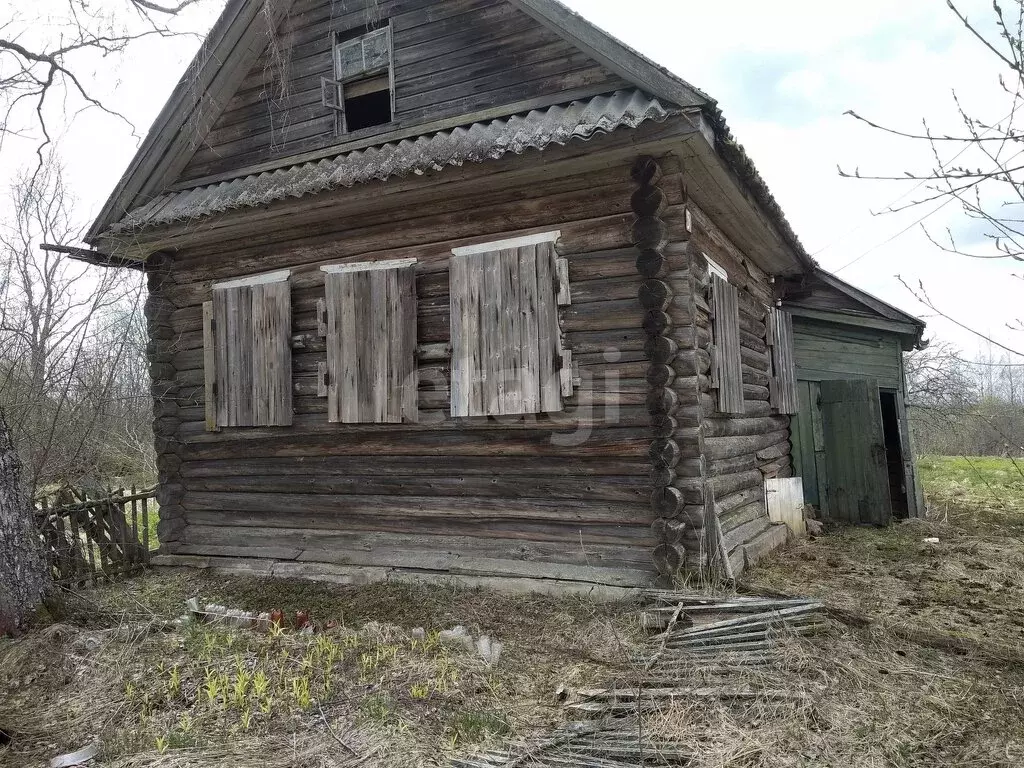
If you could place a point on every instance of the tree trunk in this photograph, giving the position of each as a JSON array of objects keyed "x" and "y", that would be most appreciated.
[{"x": 24, "y": 576}]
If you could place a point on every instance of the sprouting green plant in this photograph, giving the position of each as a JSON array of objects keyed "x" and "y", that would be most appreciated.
[
  {"x": 265, "y": 705},
  {"x": 212, "y": 686},
  {"x": 129, "y": 691},
  {"x": 185, "y": 723},
  {"x": 260, "y": 683},
  {"x": 276, "y": 629},
  {"x": 241, "y": 687},
  {"x": 162, "y": 742},
  {"x": 420, "y": 691},
  {"x": 367, "y": 663},
  {"x": 245, "y": 720},
  {"x": 376, "y": 708},
  {"x": 174, "y": 681},
  {"x": 301, "y": 693}
]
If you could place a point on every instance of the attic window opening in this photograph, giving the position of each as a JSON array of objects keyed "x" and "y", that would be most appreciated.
[
  {"x": 368, "y": 105},
  {"x": 362, "y": 92}
]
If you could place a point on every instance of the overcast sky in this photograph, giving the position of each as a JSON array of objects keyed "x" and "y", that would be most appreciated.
[{"x": 783, "y": 73}]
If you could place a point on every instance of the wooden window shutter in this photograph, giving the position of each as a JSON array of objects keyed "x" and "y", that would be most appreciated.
[
  {"x": 249, "y": 325},
  {"x": 371, "y": 342},
  {"x": 727, "y": 368},
  {"x": 784, "y": 392},
  {"x": 506, "y": 344}
]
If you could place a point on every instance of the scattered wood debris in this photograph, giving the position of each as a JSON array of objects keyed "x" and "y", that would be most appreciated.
[{"x": 703, "y": 648}]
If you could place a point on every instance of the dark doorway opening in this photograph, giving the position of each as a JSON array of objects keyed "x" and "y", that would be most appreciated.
[
  {"x": 894, "y": 455},
  {"x": 368, "y": 110}
]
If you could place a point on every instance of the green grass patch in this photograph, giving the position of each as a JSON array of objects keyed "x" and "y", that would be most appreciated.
[{"x": 988, "y": 489}]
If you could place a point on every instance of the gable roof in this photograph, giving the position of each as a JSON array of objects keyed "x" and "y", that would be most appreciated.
[
  {"x": 238, "y": 38},
  {"x": 859, "y": 307}
]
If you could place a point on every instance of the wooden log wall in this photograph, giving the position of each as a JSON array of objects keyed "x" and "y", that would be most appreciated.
[
  {"x": 655, "y": 264},
  {"x": 165, "y": 388},
  {"x": 740, "y": 452},
  {"x": 564, "y": 497},
  {"x": 451, "y": 58}
]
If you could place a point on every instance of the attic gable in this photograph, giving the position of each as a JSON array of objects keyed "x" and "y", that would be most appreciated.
[{"x": 450, "y": 58}]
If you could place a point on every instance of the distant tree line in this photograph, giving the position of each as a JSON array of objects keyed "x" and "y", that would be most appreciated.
[{"x": 966, "y": 406}]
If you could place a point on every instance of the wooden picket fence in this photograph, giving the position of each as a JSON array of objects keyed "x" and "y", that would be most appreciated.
[{"x": 89, "y": 536}]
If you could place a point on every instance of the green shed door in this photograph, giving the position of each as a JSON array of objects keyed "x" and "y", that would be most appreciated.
[{"x": 858, "y": 483}]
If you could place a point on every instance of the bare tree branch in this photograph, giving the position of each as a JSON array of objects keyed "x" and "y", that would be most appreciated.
[{"x": 44, "y": 60}]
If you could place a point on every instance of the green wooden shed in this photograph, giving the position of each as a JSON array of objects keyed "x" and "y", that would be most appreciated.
[{"x": 851, "y": 440}]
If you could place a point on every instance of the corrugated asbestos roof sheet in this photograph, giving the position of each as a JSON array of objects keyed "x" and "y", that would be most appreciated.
[{"x": 473, "y": 144}]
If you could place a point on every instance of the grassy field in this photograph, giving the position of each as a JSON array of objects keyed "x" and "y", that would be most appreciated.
[
  {"x": 985, "y": 488},
  {"x": 921, "y": 663}
]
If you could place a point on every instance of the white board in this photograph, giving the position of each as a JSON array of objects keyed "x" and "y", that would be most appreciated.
[{"x": 786, "y": 503}]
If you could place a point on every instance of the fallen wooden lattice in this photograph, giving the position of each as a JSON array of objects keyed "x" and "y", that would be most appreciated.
[{"x": 705, "y": 650}]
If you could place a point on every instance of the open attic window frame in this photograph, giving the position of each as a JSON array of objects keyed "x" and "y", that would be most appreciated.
[{"x": 368, "y": 80}]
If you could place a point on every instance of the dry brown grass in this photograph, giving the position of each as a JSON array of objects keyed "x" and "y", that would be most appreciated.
[
  {"x": 881, "y": 694},
  {"x": 937, "y": 676},
  {"x": 377, "y": 696}
]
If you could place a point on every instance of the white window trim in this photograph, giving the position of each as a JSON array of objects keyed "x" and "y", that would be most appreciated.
[
  {"x": 715, "y": 268},
  {"x": 367, "y": 266},
  {"x": 503, "y": 245},
  {"x": 280, "y": 276}
]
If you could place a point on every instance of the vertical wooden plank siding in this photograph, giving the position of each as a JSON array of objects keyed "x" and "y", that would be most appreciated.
[
  {"x": 511, "y": 324},
  {"x": 915, "y": 505},
  {"x": 728, "y": 363},
  {"x": 529, "y": 330},
  {"x": 461, "y": 321},
  {"x": 504, "y": 332},
  {"x": 802, "y": 430},
  {"x": 549, "y": 342},
  {"x": 209, "y": 368},
  {"x": 492, "y": 307},
  {"x": 786, "y": 399},
  {"x": 272, "y": 354},
  {"x": 252, "y": 354},
  {"x": 858, "y": 483},
  {"x": 371, "y": 343}
]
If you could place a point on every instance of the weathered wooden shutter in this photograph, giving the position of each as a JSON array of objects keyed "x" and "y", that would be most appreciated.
[
  {"x": 249, "y": 325},
  {"x": 506, "y": 348},
  {"x": 371, "y": 342},
  {"x": 727, "y": 370},
  {"x": 784, "y": 395}
]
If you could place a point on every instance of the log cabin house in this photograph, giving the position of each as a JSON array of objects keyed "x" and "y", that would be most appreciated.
[{"x": 457, "y": 289}]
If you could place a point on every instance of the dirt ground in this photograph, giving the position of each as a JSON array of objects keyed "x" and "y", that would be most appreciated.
[{"x": 921, "y": 664}]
